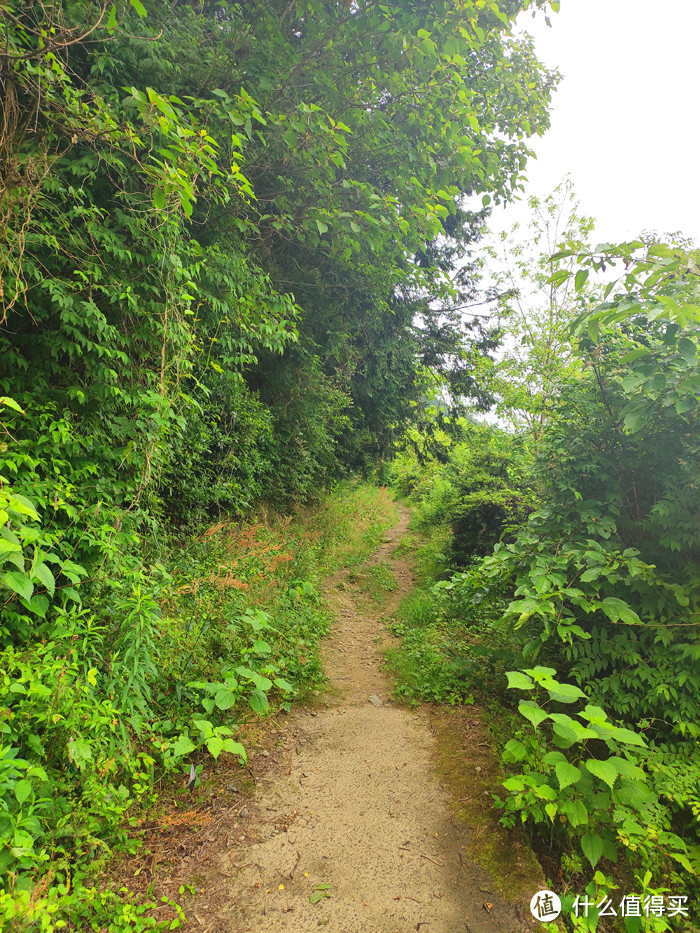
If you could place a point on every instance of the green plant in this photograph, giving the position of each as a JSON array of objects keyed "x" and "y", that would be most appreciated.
[{"x": 585, "y": 778}]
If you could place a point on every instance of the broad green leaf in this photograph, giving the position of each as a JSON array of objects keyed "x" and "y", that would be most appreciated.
[
  {"x": 19, "y": 583},
  {"x": 566, "y": 774},
  {"x": 259, "y": 702},
  {"x": 235, "y": 748},
  {"x": 618, "y": 610},
  {"x": 225, "y": 698},
  {"x": 45, "y": 576},
  {"x": 183, "y": 746},
  {"x": 686, "y": 347},
  {"x": 628, "y": 769},
  {"x": 519, "y": 681},
  {"x": 514, "y": 751},
  {"x": 139, "y": 7},
  {"x": 22, "y": 505},
  {"x": 283, "y": 684},
  {"x": 38, "y": 605},
  {"x": 159, "y": 199},
  {"x": 551, "y": 810},
  {"x": 531, "y": 711},
  {"x": 204, "y": 726},
  {"x": 581, "y": 279},
  {"x": 565, "y": 693},
  {"x": 23, "y": 790},
  {"x": 322, "y": 228},
  {"x": 605, "y": 770},
  {"x": 215, "y": 745},
  {"x": 628, "y": 736},
  {"x": 592, "y": 846},
  {"x": 635, "y": 420},
  {"x": 575, "y": 811}
]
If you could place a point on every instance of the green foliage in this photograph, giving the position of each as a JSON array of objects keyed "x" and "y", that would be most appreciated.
[
  {"x": 481, "y": 490},
  {"x": 600, "y": 582},
  {"x": 585, "y": 774}
]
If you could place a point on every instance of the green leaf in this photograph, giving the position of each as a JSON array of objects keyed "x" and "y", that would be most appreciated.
[
  {"x": 519, "y": 681},
  {"x": 215, "y": 745},
  {"x": 225, "y": 698},
  {"x": 531, "y": 711},
  {"x": 183, "y": 746},
  {"x": 565, "y": 693},
  {"x": 259, "y": 702},
  {"x": 567, "y": 774},
  {"x": 45, "y": 576},
  {"x": 283, "y": 684},
  {"x": 322, "y": 890},
  {"x": 11, "y": 403},
  {"x": 617, "y": 609},
  {"x": 159, "y": 199},
  {"x": 22, "y": 505},
  {"x": 686, "y": 348},
  {"x": 235, "y": 748},
  {"x": 635, "y": 420},
  {"x": 605, "y": 770},
  {"x": 592, "y": 846},
  {"x": 23, "y": 790},
  {"x": 139, "y": 7},
  {"x": 514, "y": 751},
  {"x": 39, "y": 605},
  {"x": 322, "y": 228},
  {"x": 581, "y": 279},
  {"x": 19, "y": 583},
  {"x": 575, "y": 811},
  {"x": 628, "y": 736}
]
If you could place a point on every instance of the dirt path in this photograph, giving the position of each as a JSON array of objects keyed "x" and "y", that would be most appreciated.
[{"x": 351, "y": 808}]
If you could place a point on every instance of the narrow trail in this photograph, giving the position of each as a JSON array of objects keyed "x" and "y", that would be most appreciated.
[{"x": 351, "y": 801}]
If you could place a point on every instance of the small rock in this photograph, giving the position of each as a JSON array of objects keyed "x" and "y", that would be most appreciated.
[
  {"x": 374, "y": 699},
  {"x": 244, "y": 812},
  {"x": 232, "y": 789},
  {"x": 266, "y": 754},
  {"x": 241, "y": 838}
]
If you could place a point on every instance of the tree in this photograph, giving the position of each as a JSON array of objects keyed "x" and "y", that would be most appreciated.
[{"x": 536, "y": 305}]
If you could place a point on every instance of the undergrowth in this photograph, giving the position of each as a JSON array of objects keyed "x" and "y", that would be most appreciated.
[{"x": 213, "y": 630}]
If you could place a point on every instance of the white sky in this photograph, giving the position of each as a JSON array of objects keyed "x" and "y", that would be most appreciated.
[{"x": 625, "y": 120}]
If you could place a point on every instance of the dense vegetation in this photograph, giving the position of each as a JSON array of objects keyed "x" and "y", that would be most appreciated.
[
  {"x": 590, "y": 603},
  {"x": 232, "y": 244},
  {"x": 237, "y": 243}
]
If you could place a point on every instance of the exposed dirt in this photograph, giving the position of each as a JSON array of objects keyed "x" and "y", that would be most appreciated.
[{"x": 349, "y": 808}]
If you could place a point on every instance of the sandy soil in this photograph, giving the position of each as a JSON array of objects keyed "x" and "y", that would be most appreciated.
[{"x": 349, "y": 810}]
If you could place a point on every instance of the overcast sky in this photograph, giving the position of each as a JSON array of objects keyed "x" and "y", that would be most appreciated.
[{"x": 625, "y": 119}]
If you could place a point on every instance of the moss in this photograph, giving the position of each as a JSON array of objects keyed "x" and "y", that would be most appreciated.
[{"x": 470, "y": 770}]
